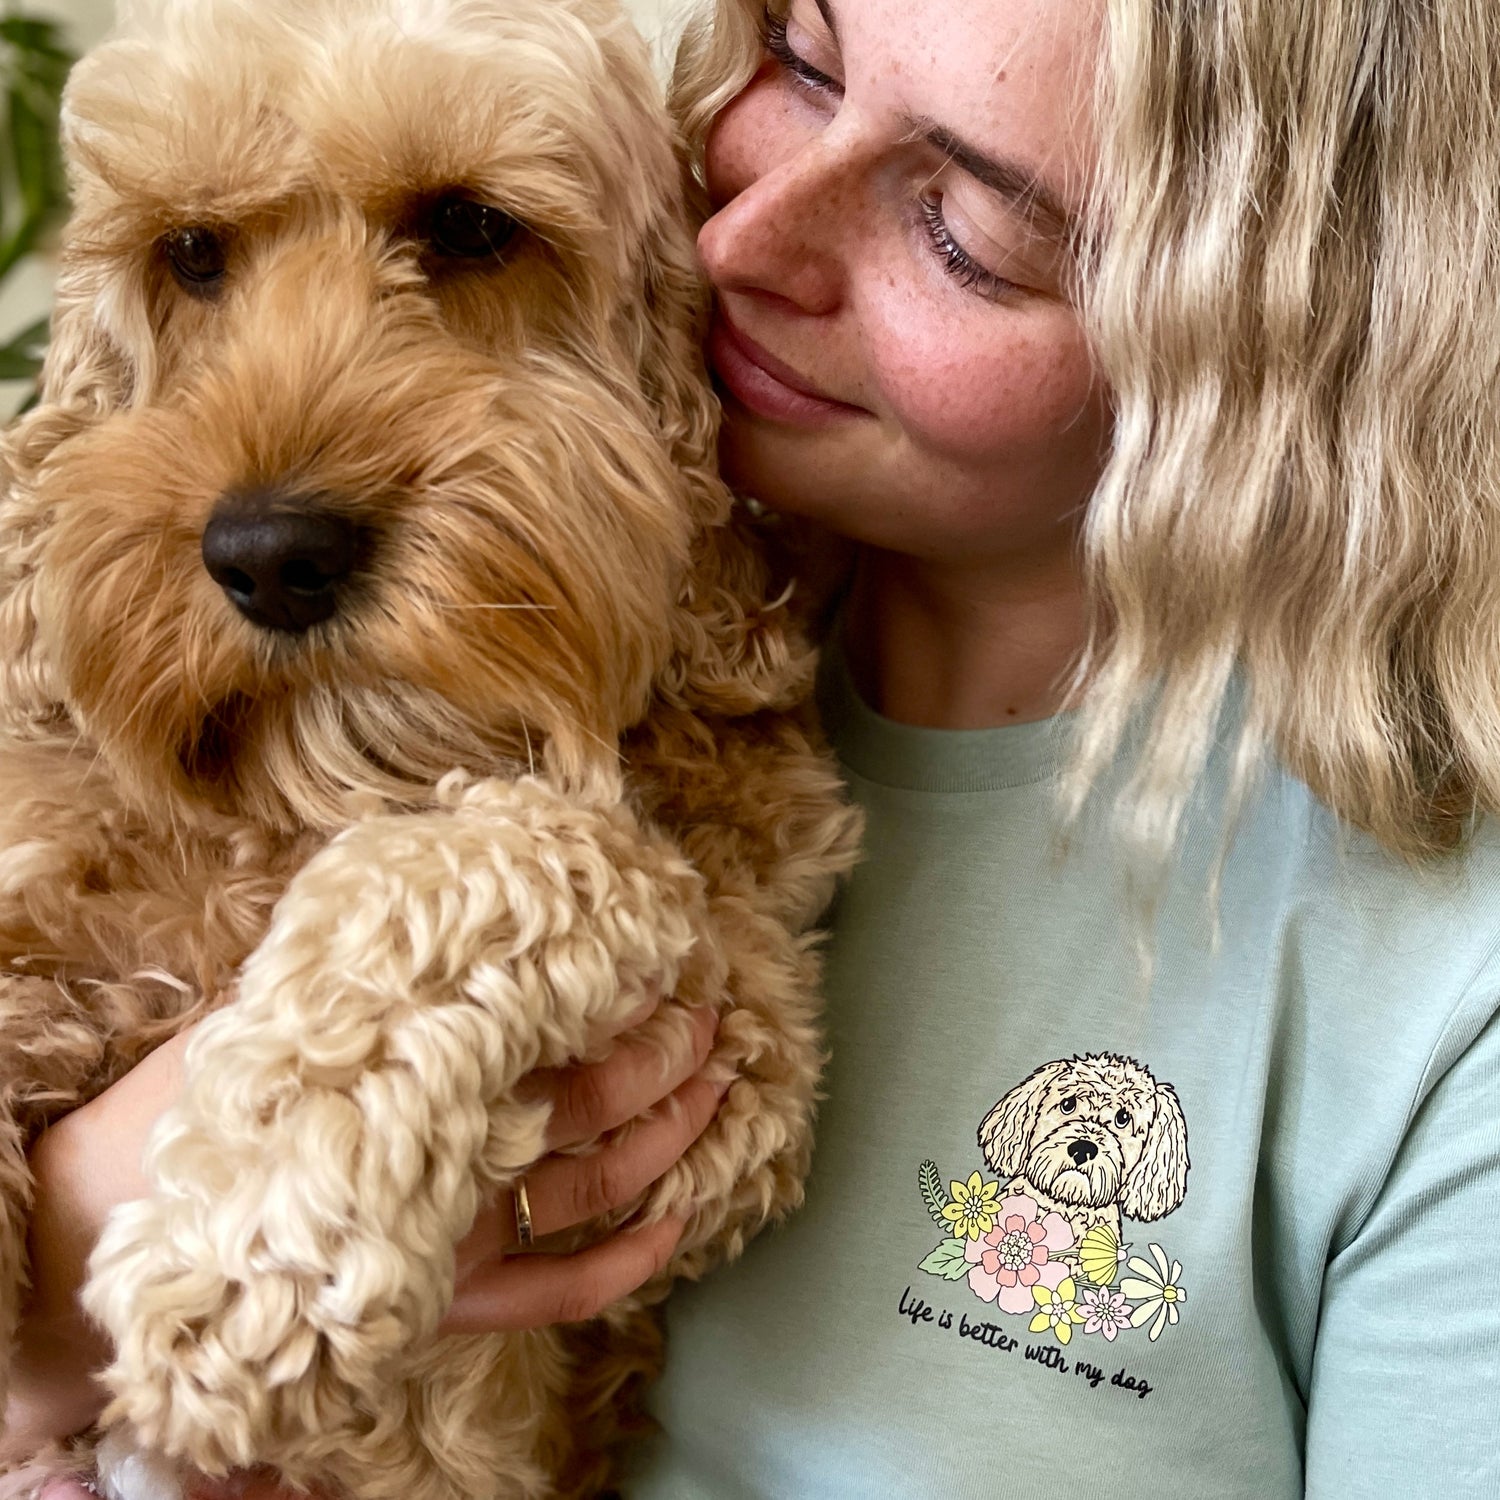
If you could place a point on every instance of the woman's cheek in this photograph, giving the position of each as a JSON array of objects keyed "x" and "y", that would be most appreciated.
[
  {"x": 985, "y": 397},
  {"x": 728, "y": 166},
  {"x": 747, "y": 138}
]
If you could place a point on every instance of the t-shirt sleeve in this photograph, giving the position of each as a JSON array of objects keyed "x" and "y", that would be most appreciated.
[{"x": 1405, "y": 1391}]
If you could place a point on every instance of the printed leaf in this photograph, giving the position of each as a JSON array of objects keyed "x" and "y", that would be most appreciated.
[
  {"x": 932, "y": 1191},
  {"x": 947, "y": 1261}
]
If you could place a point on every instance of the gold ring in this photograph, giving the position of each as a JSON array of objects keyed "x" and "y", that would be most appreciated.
[{"x": 523, "y": 1214}]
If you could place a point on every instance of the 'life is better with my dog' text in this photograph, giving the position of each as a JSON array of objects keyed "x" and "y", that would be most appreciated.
[{"x": 992, "y": 1336}]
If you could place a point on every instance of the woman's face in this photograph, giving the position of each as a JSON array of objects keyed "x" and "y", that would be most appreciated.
[{"x": 894, "y": 195}]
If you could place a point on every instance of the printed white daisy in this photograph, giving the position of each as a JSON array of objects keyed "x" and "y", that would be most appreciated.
[{"x": 1157, "y": 1286}]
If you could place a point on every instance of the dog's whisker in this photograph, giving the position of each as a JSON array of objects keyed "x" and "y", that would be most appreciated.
[
  {"x": 604, "y": 744},
  {"x": 547, "y": 607}
]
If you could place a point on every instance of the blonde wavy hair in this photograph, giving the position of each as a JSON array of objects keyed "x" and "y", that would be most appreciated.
[{"x": 1291, "y": 296}]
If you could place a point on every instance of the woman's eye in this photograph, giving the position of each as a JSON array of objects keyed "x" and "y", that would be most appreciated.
[
  {"x": 1122, "y": 1118},
  {"x": 781, "y": 49},
  {"x": 1068, "y": 1105},
  {"x": 198, "y": 257},
  {"x": 466, "y": 229},
  {"x": 957, "y": 261}
]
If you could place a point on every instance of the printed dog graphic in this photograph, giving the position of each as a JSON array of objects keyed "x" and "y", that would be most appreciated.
[{"x": 1091, "y": 1137}]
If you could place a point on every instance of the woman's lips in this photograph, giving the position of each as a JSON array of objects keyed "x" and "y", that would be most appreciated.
[{"x": 761, "y": 383}]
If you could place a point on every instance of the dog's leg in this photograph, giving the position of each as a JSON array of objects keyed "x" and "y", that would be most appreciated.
[{"x": 343, "y": 1118}]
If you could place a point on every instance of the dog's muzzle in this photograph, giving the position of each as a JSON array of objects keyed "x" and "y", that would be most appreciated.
[{"x": 280, "y": 558}]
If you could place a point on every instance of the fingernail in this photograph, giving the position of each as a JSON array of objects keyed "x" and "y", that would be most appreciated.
[
  {"x": 62, "y": 1489},
  {"x": 642, "y": 1013}
]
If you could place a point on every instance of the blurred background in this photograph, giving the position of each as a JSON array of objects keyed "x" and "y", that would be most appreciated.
[{"x": 38, "y": 39}]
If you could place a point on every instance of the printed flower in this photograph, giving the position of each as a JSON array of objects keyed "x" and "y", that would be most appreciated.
[
  {"x": 972, "y": 1211},
  {"x": 1059, "y": 1309},
  {"x": 1158, "y": 1286},
  {"x": 1104, "y": 1311},
  {"x": 1018, "y": 1254},
  {"x": 1100, "y": 1254}
]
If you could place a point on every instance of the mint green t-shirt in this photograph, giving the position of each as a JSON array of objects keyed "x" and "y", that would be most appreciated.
[{"x": 1236, "y": 1235}]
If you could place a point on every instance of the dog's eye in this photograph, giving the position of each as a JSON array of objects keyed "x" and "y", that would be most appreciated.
[
  {"x": 198, "y": 257},
  {"x": 468, "y": 230},
  {"x": 1069, "y": 1105},
  {"x": 1122, "y": 1118}
]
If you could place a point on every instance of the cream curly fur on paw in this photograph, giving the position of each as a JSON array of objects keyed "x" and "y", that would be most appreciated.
[
  {"x": 348, "y": 1112},
  {"x": 384, "y": 669}
]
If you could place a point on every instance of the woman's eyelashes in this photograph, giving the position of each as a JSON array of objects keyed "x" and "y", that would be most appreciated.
[
  {"x": 955, "y": 260},
  {"x": 780, "y": 48}
]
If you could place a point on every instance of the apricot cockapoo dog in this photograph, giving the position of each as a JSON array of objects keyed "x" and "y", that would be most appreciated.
[{"x": 383, "y": 671}]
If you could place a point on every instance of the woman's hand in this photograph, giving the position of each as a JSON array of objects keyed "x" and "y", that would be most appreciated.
[
  {"x": 82, "y": 1167},
  {"x": 90, "y": 1161},
  {"x": 666, "y": 1110}
]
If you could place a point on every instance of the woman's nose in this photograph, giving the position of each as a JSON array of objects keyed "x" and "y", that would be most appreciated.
[{"x": 787, "y": 232}]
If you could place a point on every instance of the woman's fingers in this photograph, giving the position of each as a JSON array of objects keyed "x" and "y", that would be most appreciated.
[
  {"x": 533, "y": 1291},
  {"x": 596, "y": 1097},
  {"x": 641, "y": 1014},
  {"x": 66, "y": 1487},
  {"x": 567, "y": 1190}
]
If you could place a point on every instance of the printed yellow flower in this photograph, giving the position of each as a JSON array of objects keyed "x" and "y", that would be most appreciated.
[
  {"x": 1100, "y": 1254},
  {"x": 1059, "y": 1309},
  {"x": 974, "y": 1206}
]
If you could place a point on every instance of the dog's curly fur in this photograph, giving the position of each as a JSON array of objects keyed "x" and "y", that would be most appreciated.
[{"x": 549, "y": 756}]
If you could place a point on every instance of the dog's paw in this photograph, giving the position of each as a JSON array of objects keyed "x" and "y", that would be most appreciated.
[{"x": 211, "y": 1364}]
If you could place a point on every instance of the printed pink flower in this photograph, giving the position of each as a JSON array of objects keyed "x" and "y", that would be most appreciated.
[
  {"x": 1105, "y": 1311},
  {"x": 1017, "y": 1254}
]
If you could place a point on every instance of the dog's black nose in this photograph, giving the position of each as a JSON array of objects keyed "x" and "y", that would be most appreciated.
[
  {"x": 1082, "y": 1151},
  {"x": 280, "y": 558}
]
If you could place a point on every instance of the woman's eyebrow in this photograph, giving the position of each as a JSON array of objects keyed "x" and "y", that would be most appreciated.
[{"x": 1019, "y": 185}]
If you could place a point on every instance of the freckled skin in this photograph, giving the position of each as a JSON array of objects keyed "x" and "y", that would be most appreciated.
[{"x": 985, "y": 428}]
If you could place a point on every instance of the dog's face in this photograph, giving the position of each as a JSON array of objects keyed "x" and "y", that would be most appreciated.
[
  {"x": 373, "y": 378},
  {"x": 1091, "y": 1132}
]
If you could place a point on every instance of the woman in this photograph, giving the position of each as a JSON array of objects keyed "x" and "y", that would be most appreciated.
[{"x": 1142, "y": 345}]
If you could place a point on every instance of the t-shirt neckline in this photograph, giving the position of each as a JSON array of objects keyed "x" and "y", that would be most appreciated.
[{"x": 888, "y": 753}]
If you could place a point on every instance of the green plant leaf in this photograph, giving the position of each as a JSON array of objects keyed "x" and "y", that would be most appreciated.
[
  {"x": 34, "y": 37},
  {"x": 21, "y": 358},
  {"x": 947, "y": 1261},
  {"x": 33, "y": 69},
  {"x": 932, "y": 1191},
  {"x": 31, "y": 142}
]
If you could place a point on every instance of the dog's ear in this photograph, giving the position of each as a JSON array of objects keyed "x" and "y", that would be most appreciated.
[
  {"x": 737, "y": 647},
  {"x": 670, "y": 327},
  {"x": 83, "y": 381},
  {"x": 84, "y": 378},
  {"x": 1005, "y": 1134},
  {"x": 1159, "y": 1182}
]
